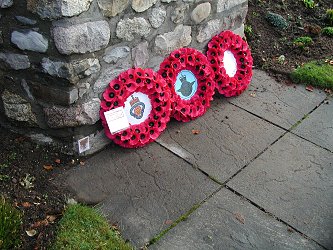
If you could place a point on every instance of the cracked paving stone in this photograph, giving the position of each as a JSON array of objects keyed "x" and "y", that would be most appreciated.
[
  {"x": 276, "y": 102},
  {"x": 140, "y": 189},
  {"x": 318, "y": 127},
  {"x": 215, "y": 226},
  {"x": 294, "y": 181},
  {"x": 229, "y": 139}
]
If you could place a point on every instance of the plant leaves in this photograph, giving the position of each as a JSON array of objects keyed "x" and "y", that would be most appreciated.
[
  {"x": 239, "y": 217},
  {"x": 31, "y": 233},
  {"x": 48, "y": 167}
]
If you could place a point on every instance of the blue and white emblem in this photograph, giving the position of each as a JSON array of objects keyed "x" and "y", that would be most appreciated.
[{"x": 186, "y": 84}]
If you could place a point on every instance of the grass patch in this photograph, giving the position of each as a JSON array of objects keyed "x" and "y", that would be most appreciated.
[
  {"x": 303, "y": 41},
  {"x": 84, "y": 228},
  {"x": 10, "y": 225},
  {"x": 315, "y": 73},
  {"x": 328, "y": 31},
  {"x": 329, "y": 16}
]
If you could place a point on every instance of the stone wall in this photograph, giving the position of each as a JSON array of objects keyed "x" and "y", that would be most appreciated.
[{"x": 57, "y": 56}]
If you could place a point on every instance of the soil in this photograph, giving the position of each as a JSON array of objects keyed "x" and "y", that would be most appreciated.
[
  {"x": 268, "y": 43},
  {"x": 43, "y": 203}
]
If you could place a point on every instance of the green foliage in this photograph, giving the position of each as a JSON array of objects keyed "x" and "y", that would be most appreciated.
[
  {"x": 316, "y": 73},
  {"x": 277, "y": 20},
  {"x": 309, "y": 4},
  {"x": 83, "y": 228},
  {"x": 10, "y": 224},
  {"x": 328, "y": 31},
  {"x": 248, "y": 30},
  {"x": 329, "y": 16},
  {"x": 303, "y": 41}
]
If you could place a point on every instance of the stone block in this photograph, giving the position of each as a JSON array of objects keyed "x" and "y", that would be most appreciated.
[
  {"x": 17, "y": 108},
  {"x": 112, "y": 8},
  {"x": 6, "y": 3},
  {"x": 157, "y": 17},
  {"x": 140, "y": 55},
  {"x": 168, "y": 42},
  {"x": 15, "y": 61},
  {"x": 142, "y": 5},
  {"x": 201, "y": 12},
  {"x": 127, "y": 29},
  {"x": 29, "y": 40},
  {"x": 82, "y": 38},
  {"x": 223, "y": 5},
  {"x": 113, "y": 54},
  {"x": 78, "y": 115}
]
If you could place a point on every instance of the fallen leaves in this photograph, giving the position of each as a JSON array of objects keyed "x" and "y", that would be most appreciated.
[
  {"x": 48, "y": 167},
  {"x": 31, "y": 233},
  {"x": 168, "y": 222},
  {"x": 253, "y": 94},
  {"x": 239, "y": 217},
  {"x": 58, "y": 161},
  {"x": 49, "y": 219},
  {"x": 309, "y": 88},
  {"x": 195, "y": 131}
]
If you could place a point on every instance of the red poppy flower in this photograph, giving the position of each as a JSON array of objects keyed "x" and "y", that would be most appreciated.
[
  {"x": 191, "y": 80},
  {"x": 145, "y": 97},
  {"x": 231, "y": 60}
]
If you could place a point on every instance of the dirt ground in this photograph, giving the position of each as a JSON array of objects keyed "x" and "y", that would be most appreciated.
[{"x": 27, "y": 170}]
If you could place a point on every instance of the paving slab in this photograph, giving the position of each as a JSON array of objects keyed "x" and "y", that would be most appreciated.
[
  {"x": 227, "y": 139},
  {"x": 294, "y": 181},
  {"x": 143, "y": 189},
  {"x": 226, "y": 221},
  {"x": 318, "y": 127},
  {"x": 276, "y": 102}
]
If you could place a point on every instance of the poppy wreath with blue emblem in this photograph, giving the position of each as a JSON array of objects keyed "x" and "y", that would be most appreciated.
[
  {"x": 149, "y": 83},
  {"x": 228, "y": 42},
  {"x": 191, "y": 80}
]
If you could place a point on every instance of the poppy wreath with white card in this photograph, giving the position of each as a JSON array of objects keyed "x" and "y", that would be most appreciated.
[
  {"x": 231, "y": 60},
  {"x": 142, "y": 98},
  {"x": 191, "y": 80}
]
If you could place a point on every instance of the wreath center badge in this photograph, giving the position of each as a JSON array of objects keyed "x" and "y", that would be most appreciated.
[
  {"x": 137, "y": 108},
  {"x": 186, "y": 84}
]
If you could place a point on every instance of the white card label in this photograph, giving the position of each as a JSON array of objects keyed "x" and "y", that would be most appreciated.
[
  {"x": 116, "y": 120},
  {"x": 84, "y": 144}
]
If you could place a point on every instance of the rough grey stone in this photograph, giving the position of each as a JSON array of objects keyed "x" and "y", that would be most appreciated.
[
  {"x": 40, "y": 138},
  {"x": 108, "y": 73},
  {"x": 26, "y": 88},
  {"x": 201, "y": 12},
  {"x": 140, "y": 55},
  {"x": 112, "y": 55},
  {"x": 58, "y": 8},
  {"x": 1, "y": 37},
  {"x": 25, "y": 20},
  {"x": 29, "y": 40},
  {"x": 157, "y": 17},
  {"x": 293, "y": 180},
  {"x": 142, "y": 5},
  {"x": 168, "y": 42},
  {"x": 155, "y": 62},
  {"x": 141, "y": 188},
  {"x": 83, "y": 114},
  {"x": 218, "y": 224},
  {"x": 179, "y": 13},
  {"x": 83, "y": 88},
  {"x": 168, "y": 1},
  {"x": 73, "y": 71},
  {"x": 318, "y": 126},
  {"x": 112, "y": 8},
  {"x": 210, "y": 29},
  {"x": 16, "y": 61},
  {"x": 54, "y": 95},
  {"x": 82, "y": 38},
  {"x": 229, "y": 139},
  {"x": 240, "y": 31},
  {"x": 223, "y": 5},
  {"x": 128, "y": 28},
  {"x": 277, "y": 103},
  {"x": 17, "y": 108},
  {"x": 6, "y": 3}
]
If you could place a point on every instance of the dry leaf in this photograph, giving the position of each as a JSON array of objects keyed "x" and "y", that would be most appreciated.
[
  {"x": 26, "y": 204},
  {"x": 168, "y": 222},
  {"x": 31, "y": 232},
  {"x": 51, "y": 218},
  {"x": 82, "y": 163},
  {"x": 331, "y": 62},
  {"x": 309, "y": 88},
  {"x": 195, "y": 131},
  {"x": 48, "y": 167},
  {"x": 239, "y": 217},
  {"x": 290, "y": 230},
  {"x": 253, "y": 94},
  {"x": 58, "y": 161}
]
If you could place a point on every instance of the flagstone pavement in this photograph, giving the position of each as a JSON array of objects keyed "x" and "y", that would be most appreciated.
[{"x": 258, "y": 175}]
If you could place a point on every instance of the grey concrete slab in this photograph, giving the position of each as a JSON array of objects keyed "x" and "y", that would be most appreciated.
[
  {"x": 226, "y": 221},
  {"x": 318, "y": 127},
  {"x": 276, "y": 102},
  {"x": 293, "y": 180},
  {"x": 228, "y": 139},
  {"x": 143, "y": 189}
]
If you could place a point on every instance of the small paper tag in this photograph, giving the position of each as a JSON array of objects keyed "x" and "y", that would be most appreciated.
[
  {"x": 116, "y": 120},
  {"x": 84, "y": 144}
]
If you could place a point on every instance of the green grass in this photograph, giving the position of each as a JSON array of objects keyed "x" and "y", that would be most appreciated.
[
  {"x": 309, "y": 4},
  {"x": 10, "y": 225},
  {"x": 314, "y": 73},
  {"x": 329, "y": 16},
  {"x": 83, "y": 228},
  {"x": 328, "y": 31}
]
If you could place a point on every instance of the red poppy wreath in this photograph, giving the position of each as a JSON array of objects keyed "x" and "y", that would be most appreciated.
[
  {"x": 231, "y": 60},
  {"x": 191, "y": 80},
  {"x": 145, "y": 98}
]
